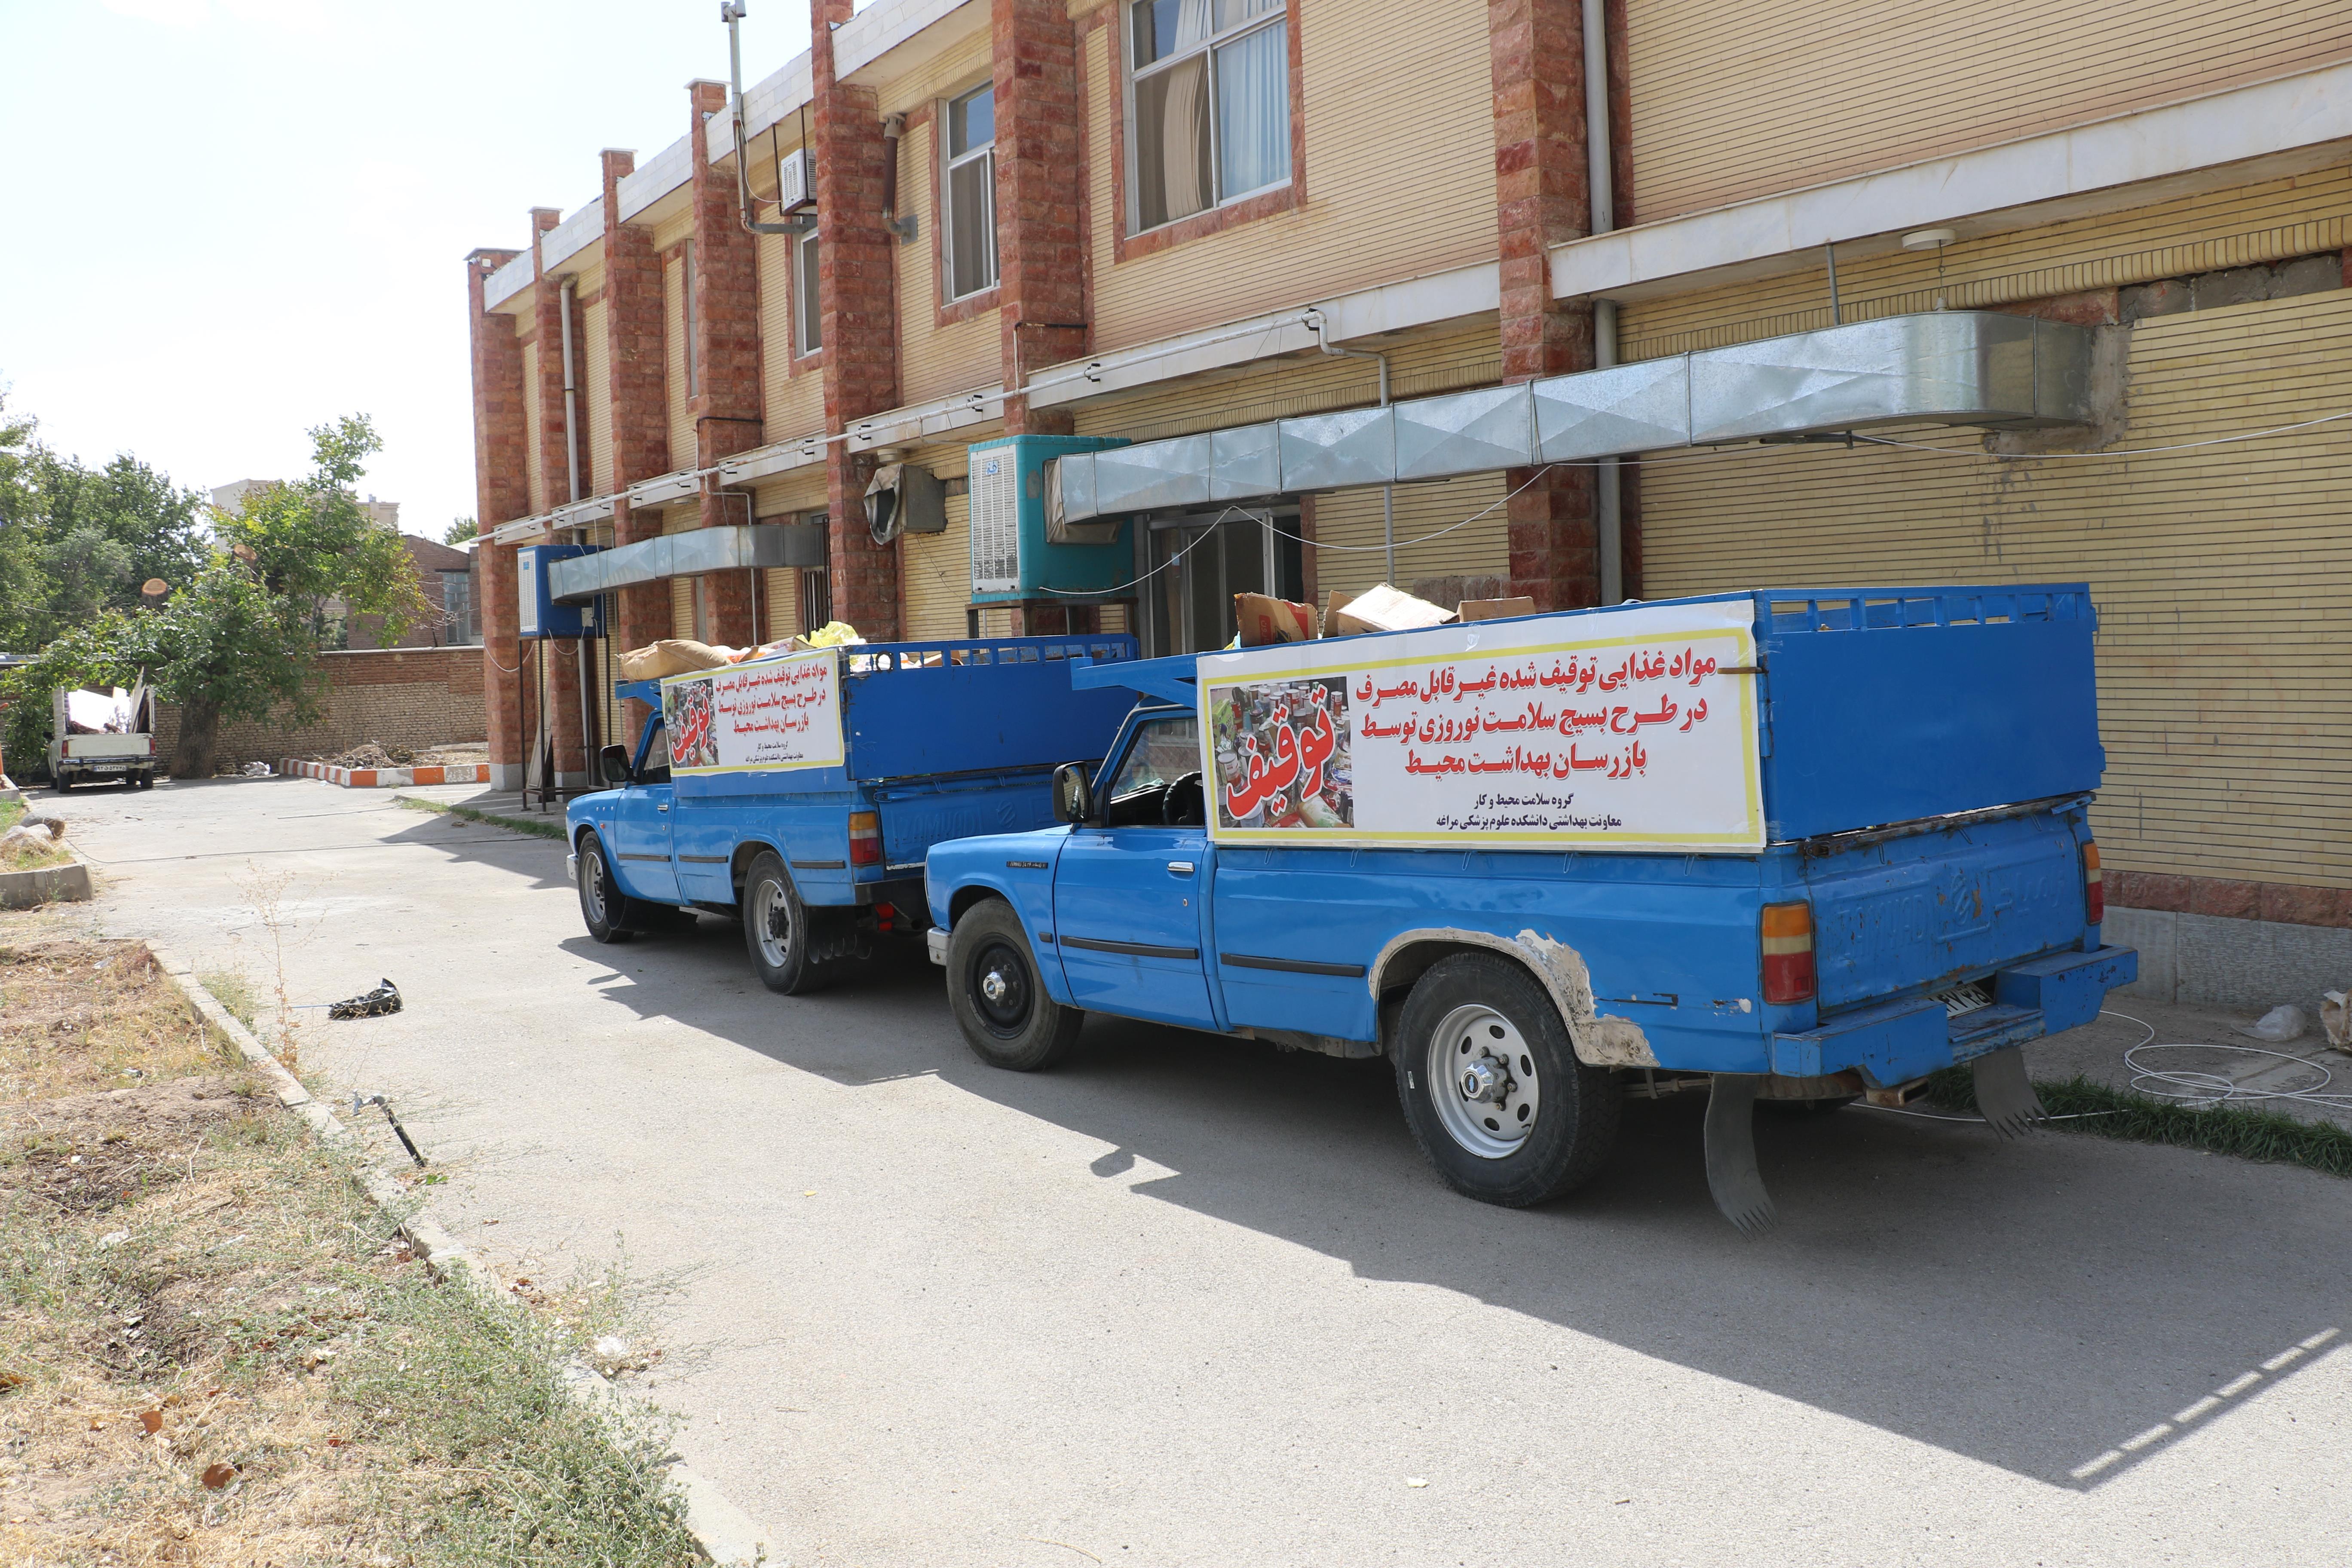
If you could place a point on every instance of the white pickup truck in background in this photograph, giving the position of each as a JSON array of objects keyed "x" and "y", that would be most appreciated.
[{"x": 102, "y": 735}]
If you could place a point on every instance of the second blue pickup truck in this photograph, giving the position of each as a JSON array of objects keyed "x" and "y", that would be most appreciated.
[
  {"x": 1795, "y": 847},
  {"x": 801, "y": 792}
]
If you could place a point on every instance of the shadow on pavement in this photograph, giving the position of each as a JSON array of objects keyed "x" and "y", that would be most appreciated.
[{"x": 2036, "y": 1305}]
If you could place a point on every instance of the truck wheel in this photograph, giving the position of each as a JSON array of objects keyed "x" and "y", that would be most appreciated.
[
  {"x": 1492, "y": 1088},
  {"x": 62, "y": 784},
  {"x": 776, "y": 929},
  {"x": 608, "y": 911},
  {"x": 145, "y": 781},
  {"x": 994, "y": 991}
]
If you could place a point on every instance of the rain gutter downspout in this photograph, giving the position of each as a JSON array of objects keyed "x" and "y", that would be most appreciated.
[
  {"x": 571, "y": 395},
  {"x": 579, "y": 646},
  {"x": 1600, "y": 179},
  {"x": 1321, "y": 324}
]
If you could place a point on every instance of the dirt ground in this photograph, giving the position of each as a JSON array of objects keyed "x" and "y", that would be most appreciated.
[
  {"x": 369, "y": 754},
  {"x": 213, "y": 1351}
]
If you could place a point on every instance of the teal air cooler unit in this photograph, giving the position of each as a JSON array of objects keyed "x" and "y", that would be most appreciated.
[{"x": 1018, "y": 549}]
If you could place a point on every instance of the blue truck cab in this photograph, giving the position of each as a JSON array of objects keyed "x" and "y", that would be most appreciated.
[
  {"x": 1798, "y": 847},
  {"x": 801, "y": 792}
]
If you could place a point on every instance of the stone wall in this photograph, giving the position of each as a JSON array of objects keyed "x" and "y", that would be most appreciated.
[{"x": 407, "y": 697}]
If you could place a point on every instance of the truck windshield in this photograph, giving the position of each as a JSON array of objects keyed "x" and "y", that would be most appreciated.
[{"x": 1165, "y": 750}]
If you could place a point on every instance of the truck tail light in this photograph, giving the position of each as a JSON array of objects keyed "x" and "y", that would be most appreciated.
[
  {"x": 865, "y": 838},
  {"x": 1788, "y": 932},
  {"x": 2095, "y": 889}
]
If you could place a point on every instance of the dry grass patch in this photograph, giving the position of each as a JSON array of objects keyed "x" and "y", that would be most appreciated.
[
  {"x": 213, "y": 1349},
  {"x": 78, "y": 1016}
]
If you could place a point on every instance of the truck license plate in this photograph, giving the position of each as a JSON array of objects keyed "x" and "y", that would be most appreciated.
[{"x": 1964, "y": 999}]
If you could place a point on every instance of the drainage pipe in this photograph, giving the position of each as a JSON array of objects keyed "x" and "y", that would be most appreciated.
[
  {"x": 1321, "y": 325},
  {"x": 1600, "y": 178},
  {"x": 570, "y": 393}
]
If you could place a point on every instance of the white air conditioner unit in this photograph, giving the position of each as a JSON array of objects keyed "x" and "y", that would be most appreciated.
[{"x": 796, "y": 182}]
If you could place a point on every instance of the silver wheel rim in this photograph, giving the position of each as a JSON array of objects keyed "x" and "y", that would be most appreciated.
[
  {"x": 1483, "y": 1080},
  {"x": 772, "y": 922},
  {"x": 591, "y": 884}
]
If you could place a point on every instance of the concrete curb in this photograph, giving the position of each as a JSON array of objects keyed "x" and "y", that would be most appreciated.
[
  {"x": 47, "y": 884},
  {"x": 387, "y": 778},
  {"x": 729, "y": 1537},
  {"x": 539, "y": 827}
]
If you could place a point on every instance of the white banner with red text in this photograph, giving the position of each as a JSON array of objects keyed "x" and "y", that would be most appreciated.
[
  {"x": 1632, "y": 729},
  {"x": 772, "y": 715}
]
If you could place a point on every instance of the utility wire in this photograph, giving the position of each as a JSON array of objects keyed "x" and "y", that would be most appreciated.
[{"x": 2125, "y": 452}]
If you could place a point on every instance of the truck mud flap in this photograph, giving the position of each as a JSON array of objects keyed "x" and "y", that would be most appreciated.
[
  {"x": 2005, "y": 1096},
  {"x": 1736, "y": 1185}
]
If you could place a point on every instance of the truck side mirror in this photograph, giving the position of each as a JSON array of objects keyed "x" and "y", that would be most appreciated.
[
  {"x": 613, "y": 760},
  {"x": 1073, "y": 795}
]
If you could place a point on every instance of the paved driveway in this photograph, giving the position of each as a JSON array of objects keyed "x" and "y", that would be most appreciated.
[{"x": 1193, "y": 1301}]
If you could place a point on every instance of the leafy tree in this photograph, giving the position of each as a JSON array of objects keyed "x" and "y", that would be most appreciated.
[
  {"x": 457, "y": 532},
  {"x": 241, "y": 641},
  {"x": 75, "y": 541},
  {"x": 23, "y": 583}
]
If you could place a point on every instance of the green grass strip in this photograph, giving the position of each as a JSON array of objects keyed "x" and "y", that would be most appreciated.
[
  {"x": 554, "y": 830},
  {"x": 2109, "y": 1112}
]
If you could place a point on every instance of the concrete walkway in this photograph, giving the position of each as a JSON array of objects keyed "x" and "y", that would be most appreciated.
[{"x": 1189, "y": 1301}]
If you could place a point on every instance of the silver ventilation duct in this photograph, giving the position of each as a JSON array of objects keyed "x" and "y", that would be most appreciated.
[
  {"x": 698, "y": 550},
  {"x": 1978, "y": 368}
]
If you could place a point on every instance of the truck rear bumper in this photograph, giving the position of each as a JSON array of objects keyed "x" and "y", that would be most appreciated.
[{"x": 1898, "y": 1041}]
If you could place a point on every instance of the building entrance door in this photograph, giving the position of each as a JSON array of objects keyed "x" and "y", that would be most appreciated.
[{"x": 1215, "y": 555}]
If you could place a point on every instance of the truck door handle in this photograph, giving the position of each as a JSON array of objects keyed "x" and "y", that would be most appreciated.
[
  {"x": 662, "y": 808},
  {"x": 1179, "y": 867}
]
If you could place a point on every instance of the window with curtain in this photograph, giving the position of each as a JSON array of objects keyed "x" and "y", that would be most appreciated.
[
  {"x": 1211, "y": 104},
  {"x": 970, "y": 145},
  {"x": 808, "y": 310}
]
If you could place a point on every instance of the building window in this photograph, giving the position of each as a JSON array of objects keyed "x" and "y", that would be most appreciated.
[
  {"x": 457, "y": 609},
  {"x": 686, "y": 315},
  {"x": 817, "y": 598},
  {"x": 972, "y": 192},
  {"x": 1210, "y": 103},
  {"x": 808, "y": 307}
]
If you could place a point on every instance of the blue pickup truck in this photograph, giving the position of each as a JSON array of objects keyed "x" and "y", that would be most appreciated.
[
  {"x": 1795, "y": 847},
  {"x": 800, "y": 792}
]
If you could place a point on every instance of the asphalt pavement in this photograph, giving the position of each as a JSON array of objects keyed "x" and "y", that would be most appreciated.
[{"x": 1194, "y": 1301}]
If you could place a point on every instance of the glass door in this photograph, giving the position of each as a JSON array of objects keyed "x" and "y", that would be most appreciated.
[{"x": 1191, "y": 602}]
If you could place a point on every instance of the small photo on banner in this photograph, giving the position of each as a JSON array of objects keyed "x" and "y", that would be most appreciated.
[{"x": 1282, "y": 753}]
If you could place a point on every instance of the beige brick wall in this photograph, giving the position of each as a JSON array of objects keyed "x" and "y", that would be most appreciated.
[{"x": 415, "y": 697}]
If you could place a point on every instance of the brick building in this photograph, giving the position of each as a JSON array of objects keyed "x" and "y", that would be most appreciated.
[
  {"x": 1202, "y": 218},
  {"x": 444, "y": 576}
]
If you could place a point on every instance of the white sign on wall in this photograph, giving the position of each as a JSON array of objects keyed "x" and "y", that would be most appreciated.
[
  {"x": 775, "y": 714},
  {"x": 1633, "y": 730}
]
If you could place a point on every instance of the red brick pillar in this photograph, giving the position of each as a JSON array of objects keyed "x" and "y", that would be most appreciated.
[
  {"x": 638, "y": 364},
  {"x": 1039, "y": 250},
  {"x": 559, "y": 448},
  {"x": 858, "y": 297},
  {"x": 502, "y": 493},
  {"x": 728, "y": 405},
  {"x": 1542, "y": 197}
]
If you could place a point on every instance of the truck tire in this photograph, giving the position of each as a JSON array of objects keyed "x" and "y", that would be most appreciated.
[
  {"x": 776, "y": 929},
  {"x": 611, "y": 915},
  {"x": 62, "y": 784},
  {"x": 1492, "y": 1088},
  {"x": 145, "y": 781},
  {"x": 994, "y": 991}
]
